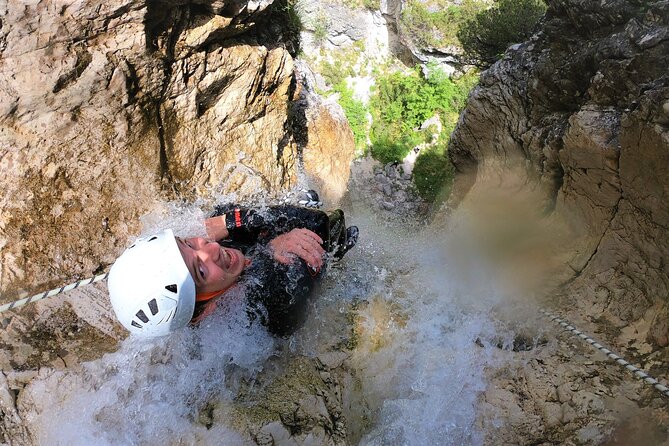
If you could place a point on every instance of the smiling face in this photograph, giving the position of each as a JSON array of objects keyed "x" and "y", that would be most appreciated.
[{"x": 213, "y": 267}]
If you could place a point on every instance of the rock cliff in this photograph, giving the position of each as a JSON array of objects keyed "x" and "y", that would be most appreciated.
[
  {"x": 111, "y": 109},
  {"x": 106, "y": 106},
  {"x": 580, "y": 115},
  {"x": 564, "y": 148}
]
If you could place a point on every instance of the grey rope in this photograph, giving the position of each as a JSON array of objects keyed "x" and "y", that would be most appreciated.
[
  {"x": 638, "y": 373},
  {"x": 50, "y": 293}
]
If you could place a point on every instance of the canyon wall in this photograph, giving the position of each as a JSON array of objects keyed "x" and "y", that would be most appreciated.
[
  {"x": 110, "y": 110},
  {"x": 579, "y": 115},
  {"x": 108, "y": 107}
]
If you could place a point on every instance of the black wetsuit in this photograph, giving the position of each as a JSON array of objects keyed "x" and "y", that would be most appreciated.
[{"x": 277, "y": 294}]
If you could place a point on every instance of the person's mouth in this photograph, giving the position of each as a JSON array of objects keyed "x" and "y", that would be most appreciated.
[
  {"x": 229, "y": 258},
  {"x": 225, "y": 258}
]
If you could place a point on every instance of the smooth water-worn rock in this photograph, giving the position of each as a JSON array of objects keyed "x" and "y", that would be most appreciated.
[
  {"x": 580, "y": 109},
  {"x": 325, "y": 140},
  {"x": 576, "y": 116}
]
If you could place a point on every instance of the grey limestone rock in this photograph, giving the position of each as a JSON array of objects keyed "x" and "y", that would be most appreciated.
[{"x": 579, "y": 109}]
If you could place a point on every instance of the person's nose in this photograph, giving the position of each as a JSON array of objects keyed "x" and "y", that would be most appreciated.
[
  {"x": 208, "y": 249},
  {"x": 213, "y": 250}
]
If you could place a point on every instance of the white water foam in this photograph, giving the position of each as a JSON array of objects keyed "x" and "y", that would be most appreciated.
[
  {"x": 150, "y": 392},
  {"x": 419, "y": 356},
  {"x": 421, "y": 310}
]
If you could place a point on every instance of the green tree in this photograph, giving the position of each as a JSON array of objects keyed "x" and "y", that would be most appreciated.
[
  {"x": 435, "y": 22},
  {"x": 433, "y": 174},
  {"x": 485, "y": 37},
  {"x": 403, "y": 101}
]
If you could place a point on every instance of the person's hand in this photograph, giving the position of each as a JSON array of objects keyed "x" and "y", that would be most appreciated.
[
  {"x": 302, "y": 243},
  {"x": 216, "y": 229}
]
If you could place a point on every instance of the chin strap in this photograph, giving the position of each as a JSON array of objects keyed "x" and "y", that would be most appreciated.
[{"x": 51, "y": 293}]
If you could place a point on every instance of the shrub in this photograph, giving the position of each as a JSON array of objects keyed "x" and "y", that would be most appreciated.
[
  {"x": 342, "y": 63},
  {"x": 489, "y": 33},
  {"x": 336, "y": 71},
  {"x": 388, "y": 146},
  {"x": 403, "y": 101},
  {"x": 367, "y": 4},
  {"x": 321, "y": 27},
  {"x": 400, "y": 104},
  {"x": 356, "y": 113},
  {"x": 435, "y": 23},
  {"x": 433, "y": 173},
  {"x": 292, "y": 20}
]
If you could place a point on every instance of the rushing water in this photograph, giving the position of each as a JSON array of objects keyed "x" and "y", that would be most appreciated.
[{"x": 422, "y": 304}]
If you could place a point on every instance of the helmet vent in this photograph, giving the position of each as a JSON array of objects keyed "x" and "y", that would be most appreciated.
[
  {"x": 153, "y": 306},
  {"x": 169, "y": 317},
  {"x": 142, "y": 316},
  {"x": 153, "y": 238},
  {"x": 172, "y": 288},
  {"x": 135, "y": 324}
]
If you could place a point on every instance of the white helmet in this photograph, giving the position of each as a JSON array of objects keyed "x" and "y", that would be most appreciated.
[{"x": 150, "y": 288}]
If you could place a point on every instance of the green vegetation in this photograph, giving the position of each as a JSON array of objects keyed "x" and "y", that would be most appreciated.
[
  {"x": 342, "y": 64},
  {"x": 360, "y": 4},
  {"x": 400, "y": 104},
  {"x": 356, "y": 113},
  {"x": 289, "y": 10},
  {"x": 403, "y": 101},
  {"x": 320, "y": 27},
  {"x": 436, "y": 23},
  {"x": 489, "y": 33},
  {"x": 433, "y": 172}
]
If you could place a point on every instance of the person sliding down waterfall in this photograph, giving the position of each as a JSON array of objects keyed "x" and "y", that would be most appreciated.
[{"x": 162, "y": 283}]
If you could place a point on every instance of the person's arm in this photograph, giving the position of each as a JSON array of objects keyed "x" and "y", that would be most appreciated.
[
  {"x": 216, "y": 228},
  {"x": 300, "y": 242},
  {"x": 267, "y": 223},
  {"x": 238, "y": 223},
  {"x": 292, "y": 240}
]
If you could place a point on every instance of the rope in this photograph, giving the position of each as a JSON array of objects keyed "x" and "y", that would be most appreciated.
[
  {"x": 638, "y": 373},
  {"x": 51, "y": 293}
]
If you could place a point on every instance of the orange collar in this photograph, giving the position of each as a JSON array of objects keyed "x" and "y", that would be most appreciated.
[{"x": 204, "y": 297}]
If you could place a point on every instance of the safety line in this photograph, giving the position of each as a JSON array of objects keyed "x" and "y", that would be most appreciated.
[
  {"x": 638, "y": 373},
  {"x": 51, "y": 293}
]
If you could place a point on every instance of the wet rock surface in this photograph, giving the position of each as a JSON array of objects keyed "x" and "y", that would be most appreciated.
[
  {"x": 576, "y": 117},
  {"x": 148, "y": 94},
  {"x": 578, "y": 113},
  {"x": 564, "y": 392},
  {"x": 108, "y": 109},
  {"x": 389, "y": 191}
]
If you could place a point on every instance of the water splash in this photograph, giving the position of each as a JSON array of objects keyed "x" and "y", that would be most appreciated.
[
  {"x": 150, "y": 392},
  {"x": 417, "y": 356},
  {"x": 421, "y": 314}
]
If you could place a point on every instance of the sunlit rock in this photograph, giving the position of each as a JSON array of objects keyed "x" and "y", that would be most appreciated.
[
  {"x": 576, "y": 118},
  {"x": 110, "y": 109}
]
